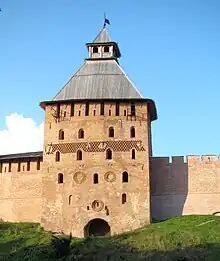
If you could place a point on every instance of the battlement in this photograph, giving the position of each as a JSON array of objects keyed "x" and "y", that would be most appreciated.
[
  {"x": 169, "y": 160},
  {"x": 203, "y": 158},
  {"x": 186, "y": 159}
]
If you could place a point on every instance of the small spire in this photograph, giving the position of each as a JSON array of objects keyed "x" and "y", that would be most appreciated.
[{"x": 106, "y": 21}]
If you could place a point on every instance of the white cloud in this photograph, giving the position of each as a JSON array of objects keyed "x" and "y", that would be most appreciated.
[{"x": 21, "y": 135}]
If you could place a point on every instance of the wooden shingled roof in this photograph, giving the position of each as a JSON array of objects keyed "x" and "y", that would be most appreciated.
[{"x": 100, "y": 78}]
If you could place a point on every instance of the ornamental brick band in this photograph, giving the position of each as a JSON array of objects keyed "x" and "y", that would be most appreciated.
[{"x": 96, "y": 146}]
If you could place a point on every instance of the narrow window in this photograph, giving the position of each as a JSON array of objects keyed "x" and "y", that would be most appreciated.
[
  {"x": 133, "y": 154},
  {"x": 28, "y": 166},
  {"x": 61, "y": 135},
  {"x": 72, "y": 109},
  {"x": 81, "y": 134},
  {"x": 19, "y": 166},
  {"x": 5, "y": 169},
  {"x": 133, "y": 112},
  {"x": 108, "y": 154},
  {"x": 1, "y": 167},
  {"x": 95, "y": 178},
  {"x": 123, "y": 198},
  {"x": 64, "y": 114},
  {"x": 95, "y": 49},
  {"x": 87, "y": 207},
  {"x": 38, "y": 165},
  {"x": 23, "y": 168},
  {"x": 9, "y": 167},
  {"x": 109, "y": 112},
  {"x": 111, "y": 133},
  {"x": 117, "y": 109},
  {"x": 87, "y": 109},
  {"x": 58, "y": 110},
  {"x": 79, "y": 155},
  {"x": 125, "y": 112},
  {"x": 57, "y": 158},
  {"x": 102, "y": 108},
  {"x": 70, "y": 199},
  {"x": 106, "y": 49},
  {"x": 94, "y": 112},
  {"x": 79, "y": 113},
  {"x": 125, "y": 177},
  {"x": 60, "y": 178},
  {"x": 132, "y": 132}
]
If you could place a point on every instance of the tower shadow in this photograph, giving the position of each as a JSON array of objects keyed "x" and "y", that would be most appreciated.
[{"x": 168, "y": 186}]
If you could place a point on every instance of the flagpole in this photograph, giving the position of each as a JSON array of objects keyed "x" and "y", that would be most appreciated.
[{"x": 104, "y": 20}]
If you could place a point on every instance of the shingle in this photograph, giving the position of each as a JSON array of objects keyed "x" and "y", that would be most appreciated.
[{"x": 99, "y": 79}]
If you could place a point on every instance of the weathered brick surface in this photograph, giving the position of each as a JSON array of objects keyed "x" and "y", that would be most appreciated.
[
  {"x": 57, "y": 214},
  {"x": 175, "y": 186},
  {"x": 183, "y": 188},
  {"x": 21, "y": 193}
]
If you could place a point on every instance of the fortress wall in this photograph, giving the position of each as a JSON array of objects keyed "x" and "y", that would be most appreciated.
[
  {"x": 181, "y": 187},
  {"x": 20, "y": 193}
]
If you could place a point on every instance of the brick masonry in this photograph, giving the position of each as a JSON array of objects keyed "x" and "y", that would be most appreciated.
[
  {"x": 68, "y": 207},
  {"x": 184, "y": 187},
  {"x": 157, "y": 187},
  {"x": 21, "y": 192}
]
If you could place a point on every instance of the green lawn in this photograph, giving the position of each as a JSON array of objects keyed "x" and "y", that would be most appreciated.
[{"x": 180, "y": 239}]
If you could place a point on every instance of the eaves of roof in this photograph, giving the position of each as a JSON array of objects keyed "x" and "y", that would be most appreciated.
[{"x": 26, "y": 155}]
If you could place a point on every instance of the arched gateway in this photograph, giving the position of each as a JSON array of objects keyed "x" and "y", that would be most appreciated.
[{"x": 97, "y": 227}]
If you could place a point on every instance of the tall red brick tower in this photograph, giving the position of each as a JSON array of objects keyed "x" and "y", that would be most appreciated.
[{"x": 96, "y": 149}]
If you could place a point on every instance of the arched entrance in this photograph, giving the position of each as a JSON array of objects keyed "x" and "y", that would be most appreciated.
[{"x": 97, "y": 227}]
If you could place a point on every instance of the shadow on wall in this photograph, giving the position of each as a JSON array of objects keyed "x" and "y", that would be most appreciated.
[{"x": 169, "y": 186}]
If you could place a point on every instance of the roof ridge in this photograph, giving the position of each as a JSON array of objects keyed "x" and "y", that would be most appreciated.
[
  {"x": 130, "y": 80},
  {"x": 69, "y": 80},
  {"x": 102, "y": 37},
  {"x": 98, "y": 80}
]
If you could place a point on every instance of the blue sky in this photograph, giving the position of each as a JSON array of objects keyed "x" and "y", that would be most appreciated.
[{"x": 170, "y": 50}]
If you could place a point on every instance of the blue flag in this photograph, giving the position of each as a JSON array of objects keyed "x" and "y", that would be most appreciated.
[{"x": 107, "y": 21}]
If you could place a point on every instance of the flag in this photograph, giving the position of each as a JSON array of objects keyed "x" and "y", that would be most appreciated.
[{"x": 107, "y": 21}]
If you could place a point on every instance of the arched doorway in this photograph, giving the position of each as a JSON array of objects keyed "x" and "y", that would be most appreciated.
[{"x": 97, "y": 227}]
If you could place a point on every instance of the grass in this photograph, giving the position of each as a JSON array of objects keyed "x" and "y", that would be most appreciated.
[{"x": 176, "y": 239}]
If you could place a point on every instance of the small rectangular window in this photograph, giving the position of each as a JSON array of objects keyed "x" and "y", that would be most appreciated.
[
  {"x": 28, "y": 166},
  {"x": 58, "y": 110},
  {"x": 19, "y": 166},
  {"x": 124, "y": 198},
  {"x": 87, "y": 109},
  {"x": 133, "y": 112},
  {"x": 125, "y": 112},
  {"x": 23, "y": 168},
  {"x": 38, "y": 165},
  {"x": 79, "y": 113},
  {"x": 117, "y": 108},
  {"x": 9, "y": 167},
  {"x": 94, "y": 112},
  {"x": 72, "y": 109},
  {"x": 102, "y": 109},
  {"x": 109, "y": 112}
]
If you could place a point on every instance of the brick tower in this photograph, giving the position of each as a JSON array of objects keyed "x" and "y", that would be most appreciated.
[{"x": 97, "y": 144}]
